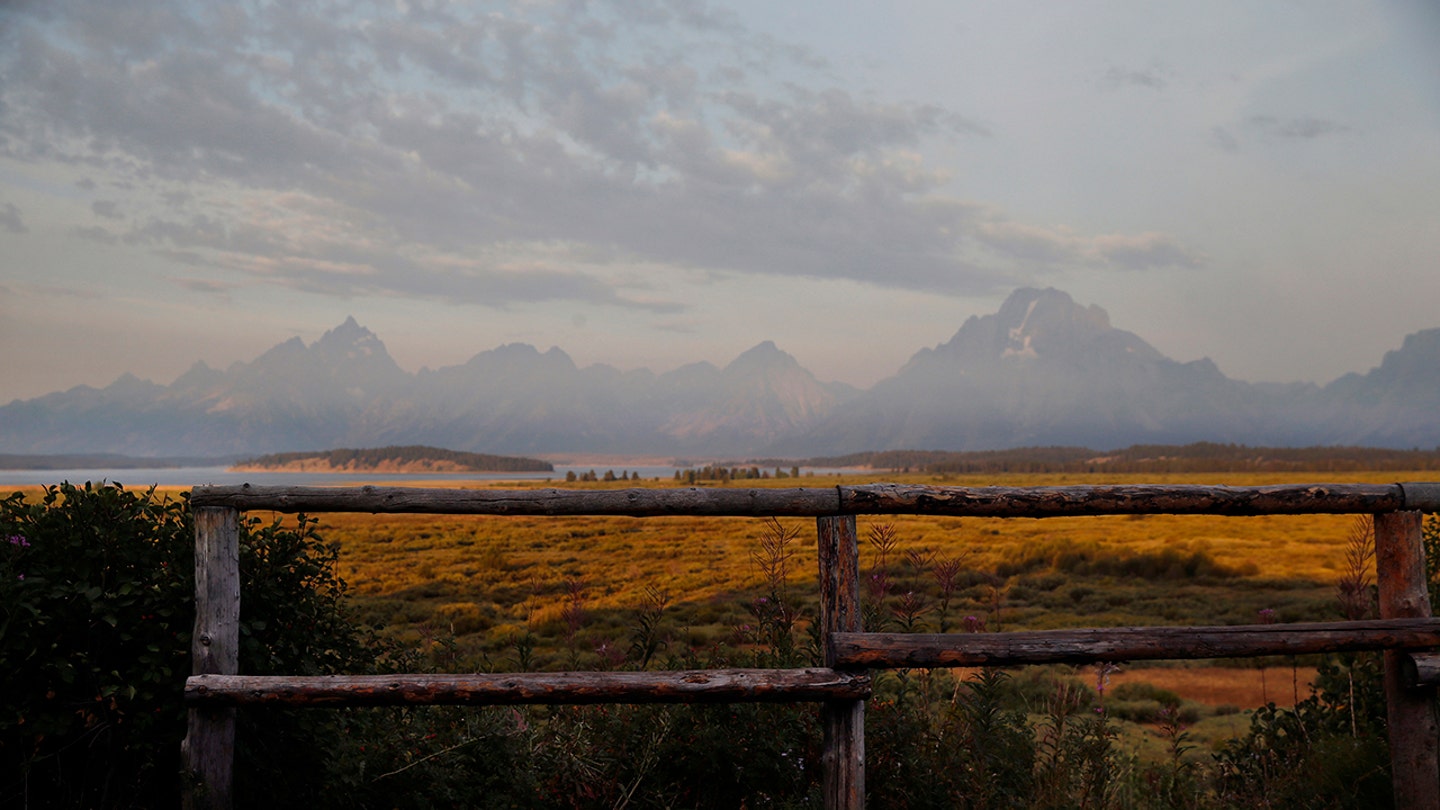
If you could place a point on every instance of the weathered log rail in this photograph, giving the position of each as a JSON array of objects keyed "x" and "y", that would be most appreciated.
[
  {"x": 1405, "y": 630},
  {"x": 1094, "y": 645},
  {"x": 677, "y": 686},
  {"x": 867, "y": 499}
]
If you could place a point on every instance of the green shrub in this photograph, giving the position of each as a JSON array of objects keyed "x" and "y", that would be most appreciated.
[{"x": 96, "y": 610}]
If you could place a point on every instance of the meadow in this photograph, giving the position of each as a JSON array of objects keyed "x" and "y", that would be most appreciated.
[
  {"x": 495, "y": 575},
  {"x": 466, "y": 593},
  {"x": 529, "y": 593}
]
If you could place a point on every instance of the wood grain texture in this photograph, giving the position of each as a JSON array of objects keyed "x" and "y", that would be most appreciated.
[
  {"x": 842, "y": 761},
  {"x": 641, "y": 502},
  {"x": 893, "y": 650},
  {"x": 1137, "y": 499},
  {"x": 689, "y": 686},
  {"x": 1290, "y": 499},
  {"x": 208, "y": 750},
  {"x": 1410, "y": 712}
]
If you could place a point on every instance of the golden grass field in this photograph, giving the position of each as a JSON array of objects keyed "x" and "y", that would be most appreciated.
[
  {"x": 499, "y": 574},
  {"x": 488, "y": 580},
  {"x": 495, "y": 575},
  {"x": 480, "y": 592}
]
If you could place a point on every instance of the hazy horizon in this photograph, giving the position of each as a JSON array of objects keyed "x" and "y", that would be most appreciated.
[
  {"x": 723, "y": 362},
  {"x": 646, "y": 186}
]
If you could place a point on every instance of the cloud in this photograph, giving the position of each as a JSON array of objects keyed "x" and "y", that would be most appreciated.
[
  {"x": 1031, "y": 243},
  {"x": 1221, "y": 139},
  {"x": 10, "y": 219},
  {"x": 75, "y": 292},
  {"x": 1303, "y": 127},
  {"x": 297, "y": 243},
  {"x": 1035, "y": 245},
  {"x": 1144, "y": 251},
  {"x": 108, "y": 209},
  {"x": 1156, "y": 77},
  {"x": 95, "y": 233},
  {"x": 676, "y": 327},
  {"x": 434, "y": 151},
  {"x": 206, "y": 286}
]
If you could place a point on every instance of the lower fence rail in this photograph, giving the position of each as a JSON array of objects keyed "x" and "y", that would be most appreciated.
[
  {"x": 673, "y": 686},
  {"x": 1100, "y": 644}
]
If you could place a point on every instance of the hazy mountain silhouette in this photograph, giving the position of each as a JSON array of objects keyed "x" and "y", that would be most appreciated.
[{"x": 1042, "y": 370}]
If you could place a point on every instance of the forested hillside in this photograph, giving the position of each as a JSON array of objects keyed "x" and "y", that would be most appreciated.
[{"x": 410, "y": 458}]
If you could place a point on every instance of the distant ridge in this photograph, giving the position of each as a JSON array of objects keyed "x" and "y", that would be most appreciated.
[
  {"x": 414, "y": 458},
  {"x": 1201, "y": 457},
  {"x": 1041, "y": 371}
]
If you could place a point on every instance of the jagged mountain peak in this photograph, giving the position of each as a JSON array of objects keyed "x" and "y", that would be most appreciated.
[
  {"x": 510, "y": 355},
  {"x": 285, "y": 349},
  {"x": 764, "y": 356},
  {"x": 350, "y": 340},
  {"x": 1030, "y": 323},
  {"x": 760, "y": 396},
  {"x": 1049, "y": 305},
  {"x": 1036, "y": 325},
  {"x": 1419, "y": 353},
  {"x": 350, "y": 327},
  {"x": 130, "y": 384}
]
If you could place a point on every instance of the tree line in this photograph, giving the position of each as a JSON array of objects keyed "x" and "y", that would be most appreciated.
[
  {"x": 347, "y": 458},
  {"x": 1142, "y": 458}
]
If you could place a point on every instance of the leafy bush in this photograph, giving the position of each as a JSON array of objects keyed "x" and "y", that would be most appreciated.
[
  {"x": 1305, "y": 757},
  {"x": 96, "y": 610}
]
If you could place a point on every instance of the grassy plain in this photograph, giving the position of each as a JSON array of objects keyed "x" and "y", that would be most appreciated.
[
  {"x": 551, "y": 593},
  {"x": 531, "y": 593},
  {"x": 570, "y": 588}
]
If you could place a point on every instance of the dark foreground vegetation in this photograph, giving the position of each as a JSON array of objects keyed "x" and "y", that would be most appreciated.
[{"x": 95, "y": 614}]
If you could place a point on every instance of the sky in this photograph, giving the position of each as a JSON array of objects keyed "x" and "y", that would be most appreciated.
[{"x": 649, "y": 183}]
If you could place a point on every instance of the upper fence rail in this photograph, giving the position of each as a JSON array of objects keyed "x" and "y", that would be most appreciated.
[{"x": 867, "y": 499}]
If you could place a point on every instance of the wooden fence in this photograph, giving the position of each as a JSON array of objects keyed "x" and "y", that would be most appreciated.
[{"x": 1404, "y": 631}]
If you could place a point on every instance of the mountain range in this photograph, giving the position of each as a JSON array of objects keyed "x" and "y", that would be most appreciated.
[{"x": 1043, "y": 370}]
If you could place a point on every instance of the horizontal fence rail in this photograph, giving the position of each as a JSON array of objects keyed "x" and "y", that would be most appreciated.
[
  {"x": 868, "y": 499},
  {"x": 1405, "y": 631},
  {"x": 1093, "y": 645},
  {"x": 693, "y": 686}
]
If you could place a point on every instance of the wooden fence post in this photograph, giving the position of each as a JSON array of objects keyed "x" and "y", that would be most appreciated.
[
  {"x": 1414, "y": 737},
  {"x": 843, "y": 760},
  {"x": 209, "y": 746}
]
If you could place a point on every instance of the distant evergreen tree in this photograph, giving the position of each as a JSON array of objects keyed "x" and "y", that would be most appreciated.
[{"x": 372, "y": 458}]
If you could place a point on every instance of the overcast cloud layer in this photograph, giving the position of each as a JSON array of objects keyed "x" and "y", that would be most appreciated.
[{"x": 646, "y": 183}]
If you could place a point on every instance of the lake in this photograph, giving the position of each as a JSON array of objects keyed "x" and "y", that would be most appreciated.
[{"x": 221, "y": 476}]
